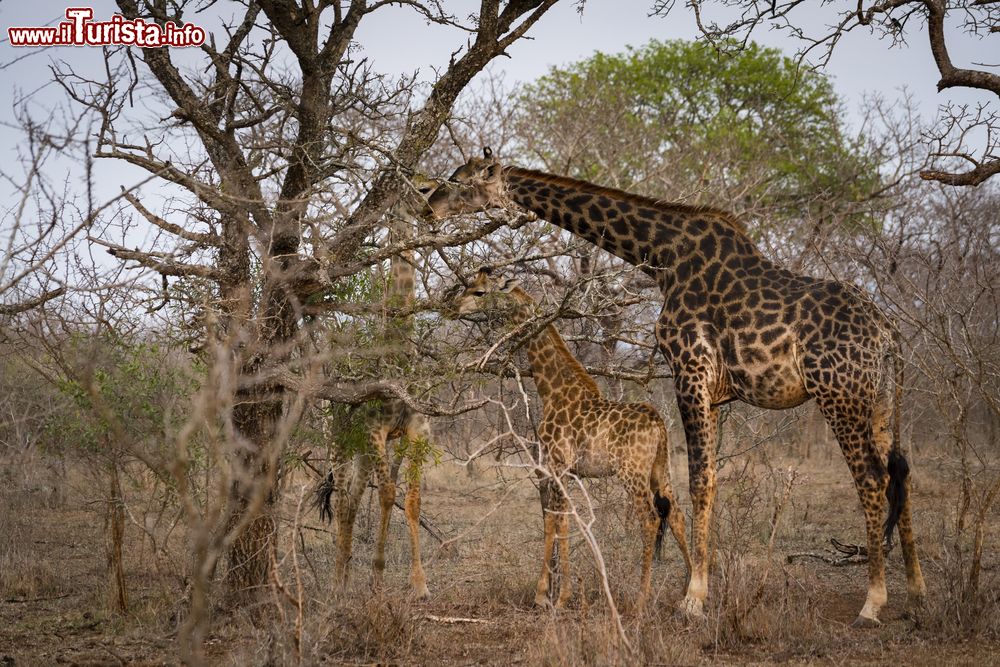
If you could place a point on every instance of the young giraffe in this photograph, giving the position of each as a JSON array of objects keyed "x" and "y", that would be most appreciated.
[
  {"x": 735, "y": 326},
  {"x": 390, "y": 420},
  {"x": 585, "y": 434}
]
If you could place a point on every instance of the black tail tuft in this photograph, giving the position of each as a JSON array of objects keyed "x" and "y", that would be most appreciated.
[
  {"x": 899, "y": 470},
  {"x": 324, "y": 492},
  {"x": 663, "y": 509}
]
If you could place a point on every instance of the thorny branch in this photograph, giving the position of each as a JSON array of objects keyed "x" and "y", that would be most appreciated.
[{"x": 892, "y": 21}]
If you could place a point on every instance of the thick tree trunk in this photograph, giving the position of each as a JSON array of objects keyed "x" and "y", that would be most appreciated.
[
  {"x": 248, "y": 567},
  {"x": 256, "y": 416}
]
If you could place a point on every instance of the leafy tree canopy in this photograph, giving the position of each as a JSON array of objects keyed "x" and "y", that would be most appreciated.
[{"x": 749, "y": 131}]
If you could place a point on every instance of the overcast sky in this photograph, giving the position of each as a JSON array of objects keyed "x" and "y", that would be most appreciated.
[{"x": 400, "y": 42}]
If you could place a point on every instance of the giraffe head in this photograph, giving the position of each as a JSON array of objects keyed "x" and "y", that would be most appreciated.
[
  {"x": 416, "y": 190},
  {"x": 475, "y": 186},
  {"x": 475, "y": 295}
]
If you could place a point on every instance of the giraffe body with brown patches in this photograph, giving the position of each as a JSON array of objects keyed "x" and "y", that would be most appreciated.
[
  {"x": 736, "y": 326},
  {"x": 390, "y": 420},
  {"x": 586, "y": 435}
]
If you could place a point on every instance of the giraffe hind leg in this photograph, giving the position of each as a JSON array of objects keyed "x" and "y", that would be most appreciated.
[
  {"x": 860, "y": 435},
  {"x": 417, "y": 431},
  {"x": 669, "y": 514},
  {"x": 649, "y": 522},
  {"x": 387, "y": 497},
  {"x": 352, "y": 478},
  {"x": 898, "y": 497},
  {"x": 915, "y": 588},
  {"x": 700, "y": 428}
]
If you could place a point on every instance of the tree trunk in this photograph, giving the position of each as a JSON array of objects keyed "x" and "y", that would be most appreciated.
[
  {"x": 256, "y": 416},
  {"x": 252, "y": 492},
  {"x": 115, "y": 527}
]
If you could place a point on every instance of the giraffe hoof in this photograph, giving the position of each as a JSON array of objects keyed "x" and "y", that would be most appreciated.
[
  {"x": 865, "y": 622},
  {"x": 543, "y": 602},
  {"x": 692, "y": 608},
  {"x": 421, "y": 593},
  {"x": 914, "y": 608}
]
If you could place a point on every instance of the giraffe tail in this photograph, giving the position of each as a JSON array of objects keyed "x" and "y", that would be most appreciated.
[
  {"x": 662, "y": 504},
  {"x": 324, "y": 494},
  {"x": 898, "y": 467}
]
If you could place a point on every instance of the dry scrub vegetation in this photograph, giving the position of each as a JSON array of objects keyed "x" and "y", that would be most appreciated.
[{"x": 59, "y": 601}]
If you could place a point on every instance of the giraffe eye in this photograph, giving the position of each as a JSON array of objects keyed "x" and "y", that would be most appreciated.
[{"x": 479, "y": 292}]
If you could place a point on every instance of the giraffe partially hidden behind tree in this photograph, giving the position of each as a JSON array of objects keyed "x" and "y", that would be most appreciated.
[
  {"x": 735, "y": 326},
  {"x": 386, "y": 421},
  {"x": 584, "y": 434}
]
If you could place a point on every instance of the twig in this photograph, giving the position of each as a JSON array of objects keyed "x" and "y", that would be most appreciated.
[
  {"x": 454, "y": 619},
  {"x": 45, "y": 599},
  {"x": 842, "y": 554}
]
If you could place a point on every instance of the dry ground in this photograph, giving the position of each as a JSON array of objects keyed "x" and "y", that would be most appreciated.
[{"x": 763, "y": 610}]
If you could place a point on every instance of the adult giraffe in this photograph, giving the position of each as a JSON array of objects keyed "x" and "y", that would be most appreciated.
[
  {"x": 388, "y": 420},
  {"x": 736, "y": 326}
]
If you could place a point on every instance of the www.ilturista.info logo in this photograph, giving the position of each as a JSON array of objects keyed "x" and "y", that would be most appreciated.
[{"x": 79, "y": 30}]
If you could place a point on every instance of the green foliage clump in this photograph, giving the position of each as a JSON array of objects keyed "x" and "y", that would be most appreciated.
[
  {"x": 678, "y": 118},
  {"x": 418, "y": 451},
  {"x": 350, "y": 426},
  {"x": 113, "y": 390}
]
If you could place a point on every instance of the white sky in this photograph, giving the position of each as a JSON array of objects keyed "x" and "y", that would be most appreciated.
[{"x": 400, "y": 42}]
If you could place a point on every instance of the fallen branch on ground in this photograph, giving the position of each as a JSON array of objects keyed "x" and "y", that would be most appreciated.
[
  {"x": 842, "y": 554},
  {"x": 454, "y": 619}
]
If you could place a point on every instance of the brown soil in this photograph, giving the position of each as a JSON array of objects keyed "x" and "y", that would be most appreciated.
[{"x": 762, "y": 609}]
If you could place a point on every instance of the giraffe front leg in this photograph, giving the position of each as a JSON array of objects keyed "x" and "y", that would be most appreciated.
[
  {"x": 542, "y": 589},
  {"x": 417, "y": 431},
  {"x": 565, "y": 581},
  {"x": 700, "y": 428},
  {"x": 352, "y": 477}
]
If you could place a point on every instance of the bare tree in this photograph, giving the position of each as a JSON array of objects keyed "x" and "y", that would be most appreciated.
[
  {"x": 894, "y": 21},
  {"x": 280, "y": 151}
]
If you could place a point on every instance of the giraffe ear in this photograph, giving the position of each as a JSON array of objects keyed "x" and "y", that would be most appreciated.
[
  {"x": 487, "y": 152},
  {"x": 491, "y": 173},
  {"x": 509, "y": 285}
]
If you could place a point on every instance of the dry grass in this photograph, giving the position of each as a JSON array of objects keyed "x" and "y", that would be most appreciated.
[{"x": 761, "y": 609}]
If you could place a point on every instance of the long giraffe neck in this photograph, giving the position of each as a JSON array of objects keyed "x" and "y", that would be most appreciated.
[
  {"x": 655, "y": 236},
  {"x": 400, "y": 292},
  {"x": 557, "y": 373}
]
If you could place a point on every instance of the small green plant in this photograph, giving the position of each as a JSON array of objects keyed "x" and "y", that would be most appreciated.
[{"x": 419, "y": 451}]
